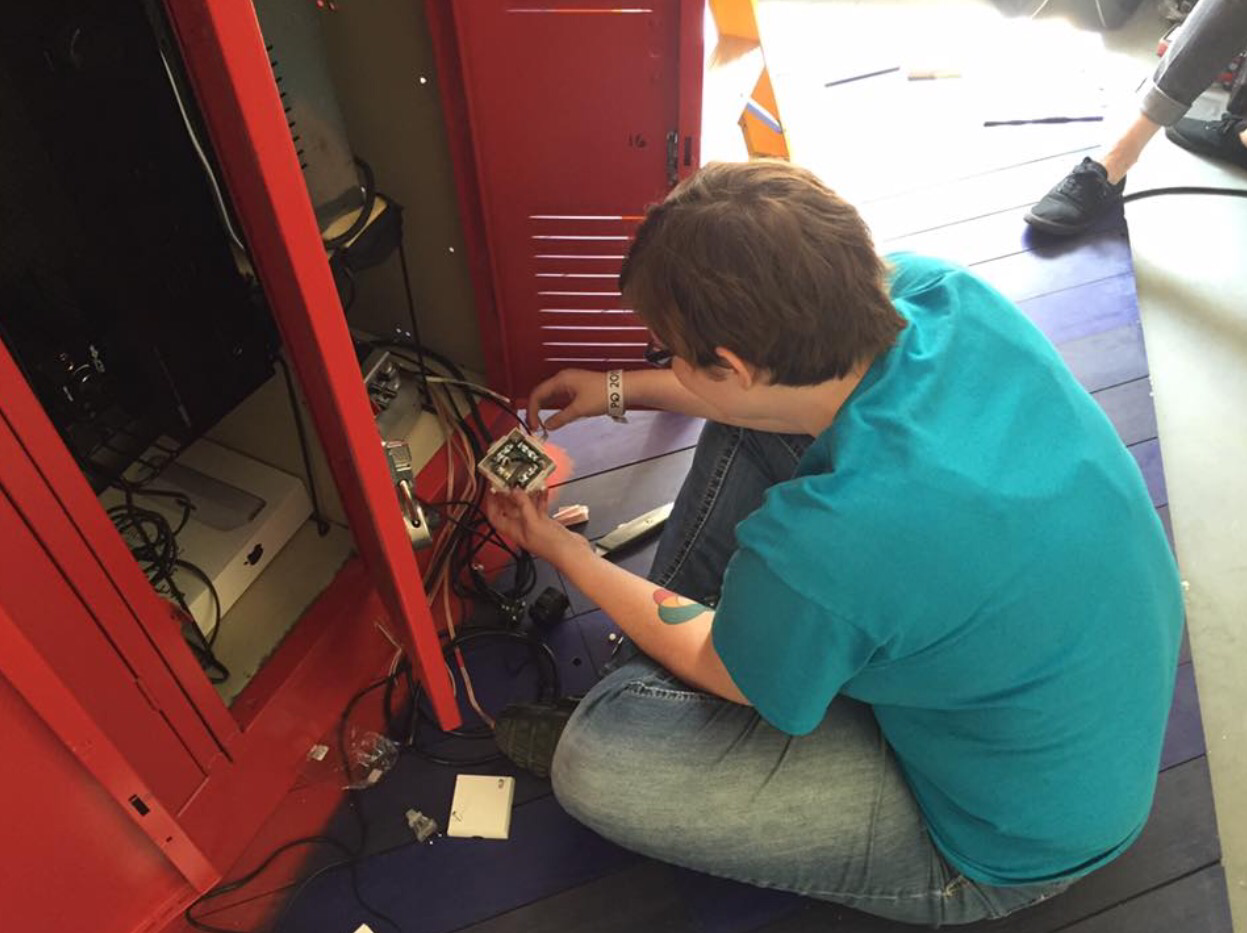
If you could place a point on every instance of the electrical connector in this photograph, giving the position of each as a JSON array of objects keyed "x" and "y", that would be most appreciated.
[
  {"x": 516, "y": 461},
  {"x": 424, "y": 827},
  {"x": 398, "y": 456}
]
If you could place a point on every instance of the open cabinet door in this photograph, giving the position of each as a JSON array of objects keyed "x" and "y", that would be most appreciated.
[
  {"x": 228, "y": 67},
  {"x": 567, "y": 118}
]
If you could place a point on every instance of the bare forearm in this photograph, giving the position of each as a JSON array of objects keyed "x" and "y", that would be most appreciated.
[
  {"x": 659, "y": 388},
  {"x": 672, "y": 630}
]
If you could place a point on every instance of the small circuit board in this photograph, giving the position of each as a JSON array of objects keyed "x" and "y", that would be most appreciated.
[{"x": 516, "y": 462}]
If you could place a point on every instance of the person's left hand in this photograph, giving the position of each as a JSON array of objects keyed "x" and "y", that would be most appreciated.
[{"x": 524, "y": 519}]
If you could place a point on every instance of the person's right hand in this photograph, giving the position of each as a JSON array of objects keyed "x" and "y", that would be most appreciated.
[{"x": 577, "y": 393}]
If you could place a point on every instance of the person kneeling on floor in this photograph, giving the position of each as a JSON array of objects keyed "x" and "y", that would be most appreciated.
[{"x": 912, "y": 629}]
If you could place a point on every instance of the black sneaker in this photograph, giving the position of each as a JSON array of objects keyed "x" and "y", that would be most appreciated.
[
  {"x": 528, "y": 733},
  {"x": 1217, "y": 139},
  {"x": 1080, "y": 199}
]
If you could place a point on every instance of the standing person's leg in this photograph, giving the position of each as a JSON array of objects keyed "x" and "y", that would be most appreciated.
[
  {"x": 1237, "y": 104},
  {"x": 1225, "y": 138},
  {"x": 1212, "y": 35}
]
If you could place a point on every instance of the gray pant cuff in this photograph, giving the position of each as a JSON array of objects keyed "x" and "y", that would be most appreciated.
[{"x": 1159, "y": 107}]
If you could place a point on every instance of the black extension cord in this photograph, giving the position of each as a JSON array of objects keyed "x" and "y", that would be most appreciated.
[{"x": 1184, "y": 189}]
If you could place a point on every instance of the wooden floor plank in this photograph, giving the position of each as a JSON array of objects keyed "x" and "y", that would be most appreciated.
[
  {"x": 1147, "y": 456},
  {"x": 1184, "y": 733},
  {"x": 976, "y": 240},
  {"x": 1167, "y": 522},
  {"x": 454, "y": 883},
  {"x": 618, "y": 495},
  {"x": 622, "y": 494},
  {"x": 643, "y": 897},
  {"x": 1195, "y": 904},
  {"x": 1129, "y": 406},
  {"x": 596, "y": 445},
  {"x": 1091, "y": 308},
  {"x": 972, "y": 196},
  {"x": 1107, "y": 359},
  {"x": 992, "y": 236},
  {"x": 1028, "y": 275}
]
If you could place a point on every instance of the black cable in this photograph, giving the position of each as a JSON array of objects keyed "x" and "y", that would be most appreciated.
[
  {"x": 468, "y": 527},
  {"x": 458, "y": 380},
  {"x": 203, "y": 578},
  {"x": 353, "y": 804},
  {"x": 354, "y": 854},
  {"x": 451, "y": 553},
  {"x": 509, "y": 602},
  {"x": 456, "y": 553},
  {"x": 553, "y": 683},
  {"x": 548, "y": 684},
  {"x": 411, "y": 314},
  {"x": 351, "y": 287},
  {"x": 322, "y": 525},
  {"x": 473, "y": 528},
  {"x": 408, "y": 737},
  {"x": 152, "y": 541},
  {"x": 1185, "y": 189},
  {"x": 229, "y": 887}
]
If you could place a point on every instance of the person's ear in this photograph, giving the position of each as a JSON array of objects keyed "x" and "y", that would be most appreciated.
[{"x": 745, "y": 374}]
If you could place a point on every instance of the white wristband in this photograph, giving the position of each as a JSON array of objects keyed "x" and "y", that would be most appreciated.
[{"x": 615, "y": 395}]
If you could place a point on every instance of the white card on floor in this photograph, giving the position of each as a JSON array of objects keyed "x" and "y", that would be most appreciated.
[{"x": 482, "y": 807}]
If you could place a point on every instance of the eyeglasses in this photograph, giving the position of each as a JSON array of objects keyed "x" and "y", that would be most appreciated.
[{"x": 657, "y": 355}]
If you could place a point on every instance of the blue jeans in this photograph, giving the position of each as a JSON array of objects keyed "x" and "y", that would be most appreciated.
[
  {"x": 1213, "y": 34},
  {"x": 686, "y": 777}
]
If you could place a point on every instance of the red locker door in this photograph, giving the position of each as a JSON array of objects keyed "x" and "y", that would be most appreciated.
[
  {"x": 120, "y": 627},
  {"x": 229, "y": 68},
  {"x": 62, "y": 629},
  {"x": 580, "y": 112}
]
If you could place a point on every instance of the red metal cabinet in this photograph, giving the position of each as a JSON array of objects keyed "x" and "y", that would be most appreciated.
[
  {"x": 96, "y": 653},
  {"x": 71, "y": 846},
  {"x": 560, "y": 117}
]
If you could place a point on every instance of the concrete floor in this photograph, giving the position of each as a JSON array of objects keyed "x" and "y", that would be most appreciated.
[
  {"x": 1192, "y": 281},
  {"x": 1190, "y": 258}
]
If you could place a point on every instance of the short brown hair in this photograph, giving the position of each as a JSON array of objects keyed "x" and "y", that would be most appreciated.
[{"x": 765, "y": 260}]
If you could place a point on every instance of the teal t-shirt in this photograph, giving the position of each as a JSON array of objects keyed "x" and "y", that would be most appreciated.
[{"x": 970, "y": 549}]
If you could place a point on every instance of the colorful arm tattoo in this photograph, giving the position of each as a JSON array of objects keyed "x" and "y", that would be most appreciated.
[{"x": 676, "y": 610}]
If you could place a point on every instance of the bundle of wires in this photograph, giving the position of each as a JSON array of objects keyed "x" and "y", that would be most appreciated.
[
  {"x": 454, "y": 581},
  {"x": 152, "y": 539},
  {"x": 454, "y": 572}
]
